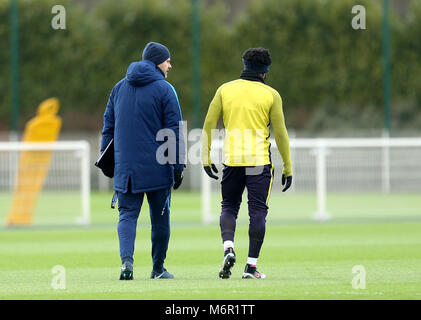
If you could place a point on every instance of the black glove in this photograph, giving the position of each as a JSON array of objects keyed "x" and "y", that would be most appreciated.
[
  {"x": 288, "y": 181},
  {"x": 209, "y": 170},
  {"x": 178, "y": 178}
]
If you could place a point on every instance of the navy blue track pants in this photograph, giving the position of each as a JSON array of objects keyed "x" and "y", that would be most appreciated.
[
  {"x": 258, "y": 181},
  {"x": 129, "y": 205}
]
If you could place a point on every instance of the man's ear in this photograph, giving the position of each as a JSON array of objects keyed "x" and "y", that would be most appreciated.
[{"x": 264, "y": 75}]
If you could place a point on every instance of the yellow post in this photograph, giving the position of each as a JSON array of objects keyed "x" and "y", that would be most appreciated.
[{"x": 34, "y": 165}]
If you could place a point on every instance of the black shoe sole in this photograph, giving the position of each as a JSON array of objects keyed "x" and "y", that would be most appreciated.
[
  {"x": 126, "y": 275},
  {"x": 225, "y": 271}
]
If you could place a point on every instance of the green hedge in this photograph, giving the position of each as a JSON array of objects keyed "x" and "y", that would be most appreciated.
[{"x": 329, "y": 75}]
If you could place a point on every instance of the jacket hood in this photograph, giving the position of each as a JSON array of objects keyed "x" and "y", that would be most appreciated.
[{"x": 143, "y": 72}]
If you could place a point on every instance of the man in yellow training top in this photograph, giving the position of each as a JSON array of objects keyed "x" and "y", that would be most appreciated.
[{"x": 248, "y": 107}]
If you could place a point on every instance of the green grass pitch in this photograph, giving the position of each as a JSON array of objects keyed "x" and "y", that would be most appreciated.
[{"x": 302, "y": 259}]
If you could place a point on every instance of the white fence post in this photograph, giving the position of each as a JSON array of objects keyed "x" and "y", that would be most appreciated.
[
  {"x": 386, "y": 163},
  {"x": 206, "y": 198},
  {"x": 85, "y": 176},
  {"x": 321, "y": 183},
  {"x": 13, "y": 161}
]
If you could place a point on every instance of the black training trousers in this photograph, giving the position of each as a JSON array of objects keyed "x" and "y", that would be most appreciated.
[{"x": 258, "y": 181}]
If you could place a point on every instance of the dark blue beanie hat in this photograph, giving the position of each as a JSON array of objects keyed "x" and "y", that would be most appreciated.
[
  {"x": 256, "y": 67},
  {"x": 156, "y": 52}
]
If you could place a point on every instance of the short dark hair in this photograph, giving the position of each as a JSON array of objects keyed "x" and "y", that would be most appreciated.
[{"x": 258, "y": 55}]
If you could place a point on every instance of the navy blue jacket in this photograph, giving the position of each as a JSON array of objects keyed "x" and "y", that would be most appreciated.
[{"x": 140, "y": 106}]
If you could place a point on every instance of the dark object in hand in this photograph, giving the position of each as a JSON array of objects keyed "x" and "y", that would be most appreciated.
[{"x": 106, "y": 160}]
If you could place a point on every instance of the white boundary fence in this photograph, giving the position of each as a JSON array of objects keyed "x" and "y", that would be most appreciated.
[
  {"x": 321, "y": 148},
  {"x": 78, "y": 146}
]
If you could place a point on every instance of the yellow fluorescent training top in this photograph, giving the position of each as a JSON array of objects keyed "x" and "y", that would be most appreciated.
[{"x": 248, "y": 109}]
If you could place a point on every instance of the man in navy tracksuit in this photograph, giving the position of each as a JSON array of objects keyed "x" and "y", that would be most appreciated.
[{"x": 143, "y": 116}]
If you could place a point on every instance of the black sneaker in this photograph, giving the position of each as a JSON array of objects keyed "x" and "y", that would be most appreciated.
[
  {"x": 227, "y": 264},
  {"x": 126, "y": 271},
  {"x": 252, "y": 273},
  {"x": 161, "y": 275}
]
